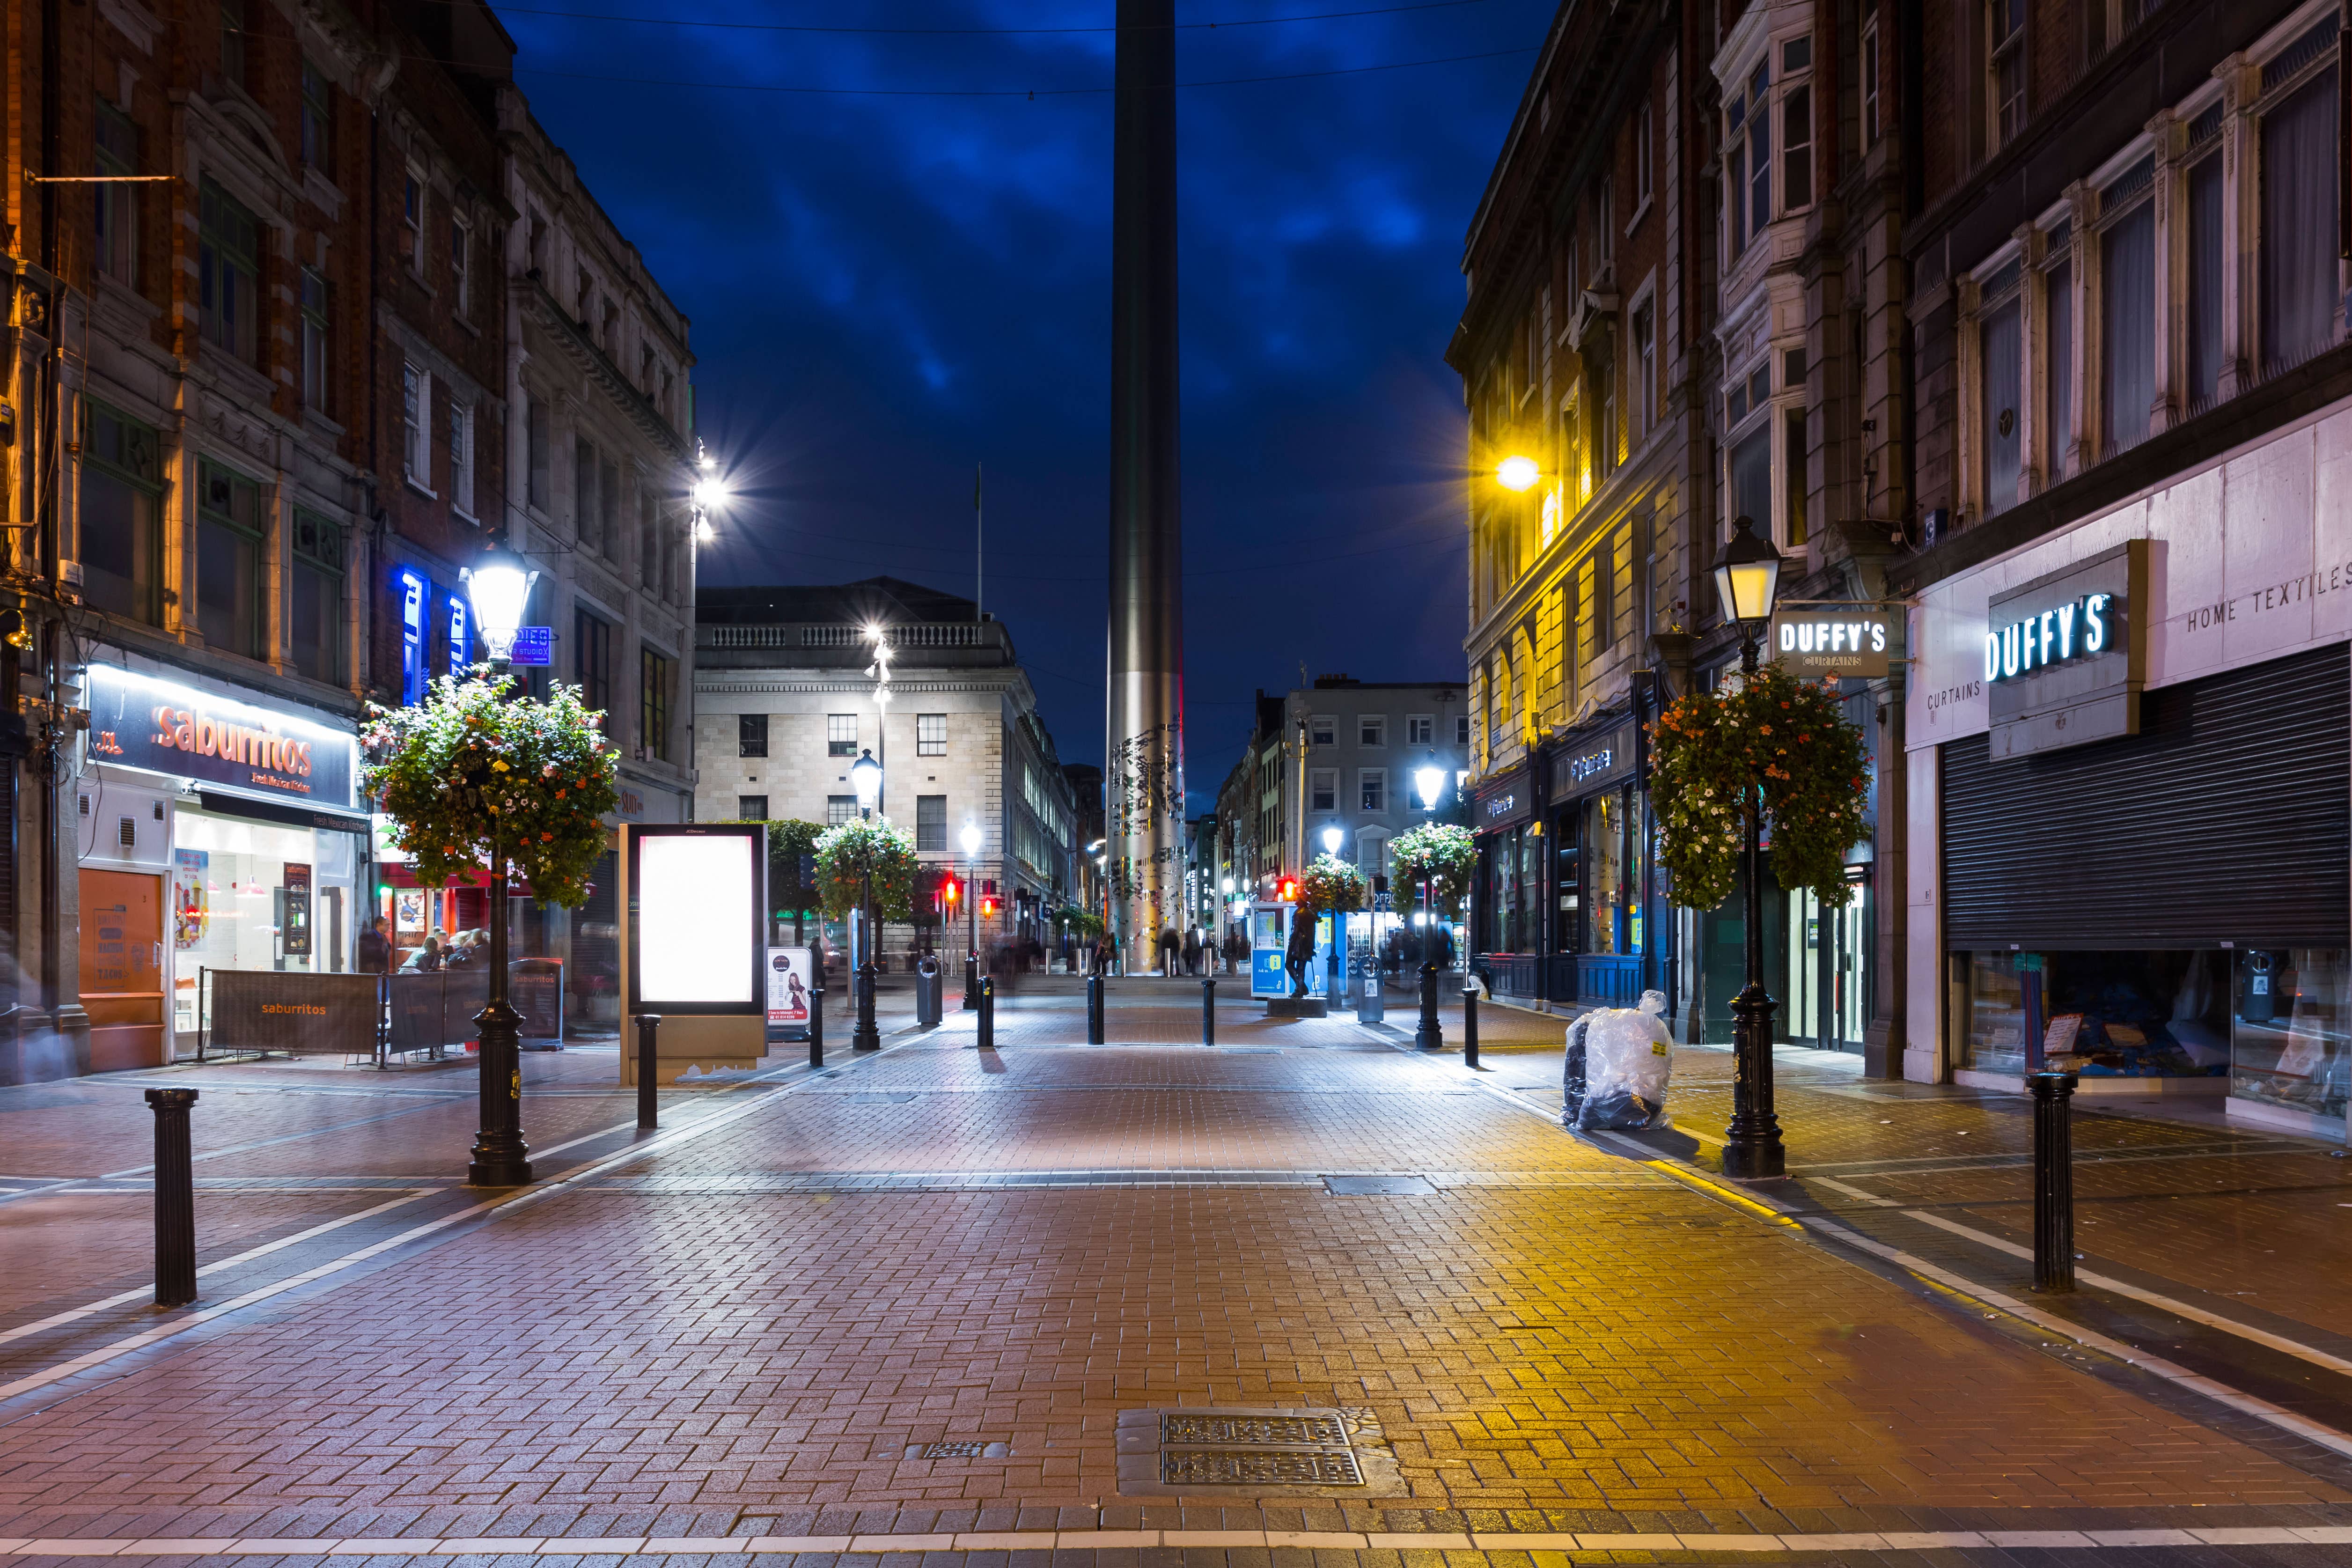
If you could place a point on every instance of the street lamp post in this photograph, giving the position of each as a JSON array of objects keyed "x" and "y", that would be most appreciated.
[
  {"x": 499, "y": 586},
  {"x": 866, "y": 777},
  {"x": 1747, "y": 579},
  {"x": 1427, "y": 782},
  {"x": 970, "y": 839}
]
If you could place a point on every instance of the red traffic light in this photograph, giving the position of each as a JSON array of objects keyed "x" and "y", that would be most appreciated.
[
  {"x": 1289, "y": 893},
  {"x": 988, "y": 907},
  {"x": 949, "y": 890}
]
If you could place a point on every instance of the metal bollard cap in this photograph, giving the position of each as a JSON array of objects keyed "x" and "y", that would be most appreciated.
[{"x": 171, "y": 1098}]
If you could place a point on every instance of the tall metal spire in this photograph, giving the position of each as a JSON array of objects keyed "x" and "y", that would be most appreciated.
[{"x": 1145, "y": 742}]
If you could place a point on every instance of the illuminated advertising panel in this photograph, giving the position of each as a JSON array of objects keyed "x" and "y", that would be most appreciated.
[{"x": 696, "y": 913}]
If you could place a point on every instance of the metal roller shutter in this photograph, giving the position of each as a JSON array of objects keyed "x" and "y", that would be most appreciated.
[{"x": 2227, "y": 818}]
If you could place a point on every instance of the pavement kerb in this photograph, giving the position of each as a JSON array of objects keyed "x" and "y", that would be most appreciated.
[{"x": 1744, "y": 1544}]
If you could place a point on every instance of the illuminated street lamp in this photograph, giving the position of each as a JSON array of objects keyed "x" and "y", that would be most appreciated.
[
  {"x": 1517, "y": 473},
  {"x": 1427, "y": 780},
  {"x": 971, "y": 838},
  {"x": 499, "y": 584},
  {"x": 1748, "y": 579},
  {"x": 1332, "y": 838},
  {"x": 865, "y": 778}
]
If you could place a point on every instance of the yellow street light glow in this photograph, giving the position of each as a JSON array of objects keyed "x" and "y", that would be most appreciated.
[{"x": 1517, "y": 473}]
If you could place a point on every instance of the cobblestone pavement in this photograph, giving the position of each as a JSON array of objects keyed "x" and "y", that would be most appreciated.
[{"x": 737, "y": 1337}]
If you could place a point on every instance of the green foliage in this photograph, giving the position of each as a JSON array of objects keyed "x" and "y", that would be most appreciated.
[
  {"x": 1777, "y": 744},
  {"x": 1079, "y": 921},
  {"x": 1332, "y": 887},
  {"x": 846, "y": 853},
  {"x": 789, "y": 838},
  {"x": 1444, "y": 851},
  {"x": 469, "y": 768}
]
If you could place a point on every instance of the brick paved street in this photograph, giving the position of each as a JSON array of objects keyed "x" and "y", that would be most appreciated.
[{"x": 750, "y": 1326}]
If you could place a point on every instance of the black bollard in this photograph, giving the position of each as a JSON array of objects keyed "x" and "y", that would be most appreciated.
[
  {"x": 2053, "y": 1181},
  {"x": 1095, "y": 1009},
  {"x": 648, "y": 1074},
  {"x": 1209, "y": 1011},
  {"x": 988, "y": 1013},
  {"x": 175, "y": 1198},
  {"x": 1469, "y": 1026},
  {"x": 816, "y": 1025}
]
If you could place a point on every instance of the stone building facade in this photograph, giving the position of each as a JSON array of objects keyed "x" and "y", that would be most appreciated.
[{"x": 784, "y": 703}]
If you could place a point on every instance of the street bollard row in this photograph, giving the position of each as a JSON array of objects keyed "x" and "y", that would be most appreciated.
[
  {"x": 1094, "y": 1009},
  {"x": 175, "y": 1198},
  {"x": 1469, "y": 1026},
  {"x": 987, "y": 1040},
  {"x": 816, "y": 1025},
  {"x": 2053, "y": 1181},
  {"x": 1209, "y": 1011},
  {"x": 648, "y": 1075}
]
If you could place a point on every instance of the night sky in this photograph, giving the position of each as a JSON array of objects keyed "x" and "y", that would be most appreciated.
[{"x": 889, "y": 286}]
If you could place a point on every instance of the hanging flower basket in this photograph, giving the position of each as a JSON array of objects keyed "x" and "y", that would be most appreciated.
[
  {"x": 1332, "y": 887},
  {"x": 1444, "y": 851},
  {"x": 469, "y": 769},
  {"x": 1776, "y": 743},
  {"x": 846, "y": 852}
]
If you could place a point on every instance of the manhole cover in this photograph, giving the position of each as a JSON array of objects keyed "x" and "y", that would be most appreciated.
[
  {"x": 1254, "y": 1450},
  {"x": 972, "y": 1449},
  {"x": 1354, "y": 1184}
]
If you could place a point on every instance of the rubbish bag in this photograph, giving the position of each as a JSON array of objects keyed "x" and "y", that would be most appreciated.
[
  {"x": 1571, "y": 1086},
  {"x": 1628, "y": 1059}
]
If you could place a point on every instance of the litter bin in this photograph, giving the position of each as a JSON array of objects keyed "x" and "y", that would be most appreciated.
[
  {"x": 1370, "y": 1006},
  {"x": 927, "y": 987}
]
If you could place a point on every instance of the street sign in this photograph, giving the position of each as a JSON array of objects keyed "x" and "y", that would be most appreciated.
[
  {"x": 1833, "y": 641},
  {"x": 532, "y": 645}
]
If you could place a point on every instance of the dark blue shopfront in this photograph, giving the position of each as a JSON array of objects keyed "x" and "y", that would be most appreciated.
[{"x": 1564, "y": 912}]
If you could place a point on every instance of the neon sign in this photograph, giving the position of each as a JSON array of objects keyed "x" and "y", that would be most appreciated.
[{"x": 2080, "y": 628}]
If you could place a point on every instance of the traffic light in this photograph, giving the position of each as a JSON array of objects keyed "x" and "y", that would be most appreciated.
[
  {"x": 1290, "y": 892},
  {"x": 987, "y": 906},
  {"x": 950, "y": 891}
]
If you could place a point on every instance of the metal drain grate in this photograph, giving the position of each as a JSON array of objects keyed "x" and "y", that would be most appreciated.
[
  {"x": 1254, "y": 1467},
  {"x": 1253, "y": 1451},
  {"x": 966, "y": 1448}
]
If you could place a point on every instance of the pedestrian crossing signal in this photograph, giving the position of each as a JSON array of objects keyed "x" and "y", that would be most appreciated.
[
  {"x": 987, "y": 906},
  {"x": 1289, "y": 891},
  {"x": 949, "y": 890}
]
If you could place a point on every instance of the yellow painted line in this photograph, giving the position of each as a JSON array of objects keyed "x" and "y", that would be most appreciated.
[{"x": 1717, "y": 1189}]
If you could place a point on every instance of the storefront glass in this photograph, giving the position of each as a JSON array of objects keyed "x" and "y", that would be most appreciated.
[
  {"x": 2162, "y": 1013},
  {"x": 2290, "y": 1015},
  {"x": 1608, "y": 931},
  {"x": 258, "y": 895}
]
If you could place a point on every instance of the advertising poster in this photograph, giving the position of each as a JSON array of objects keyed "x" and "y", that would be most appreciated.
[
  {"x": 294, "y": 930},
  {"x": 788, "y": 980},
  {"x": 189, "y": 868}
]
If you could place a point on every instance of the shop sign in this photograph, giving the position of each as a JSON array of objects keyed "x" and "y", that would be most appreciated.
[
  {"x": 1504, "y": 800},
  {"x": 2063, "y": 663},
  {"x": 1852, "y": 642},
  {"x": 144, "y": 721},
  {"x": 1594, "y": 765}
]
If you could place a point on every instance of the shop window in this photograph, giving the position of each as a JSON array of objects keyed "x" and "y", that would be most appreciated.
[
  {"x": 932, "y": 823},
  {"x": 930, "y": 734},
  {"x": 1323, "y": 789},
  {"x": 2162, "y": 1013},
  {"x": 315, "y": 589},
  {"x": 841, "y": 734},
  {"x": 228, "y": 273},
  {"x": 1568, "y": 878},
  {"x": 258, "y": 896},
  {"x": 1606, "y": 926},
  {"x": 2000, "y": 407},
  {"x": 116, "y": 203},
  {"x": 2128, "y": 315},
  {"x": 751, "y": 734},
  {"x": 592, "y": 659},
  {"x": 2297, "y": 289},
  {"x": 122, "y": 507},
  {"x": 751, "y": 808},
  {"x": 2290, "y": 1030},
  {"x": 655, "y": 672},
  {"x": 230, "y": 603}
]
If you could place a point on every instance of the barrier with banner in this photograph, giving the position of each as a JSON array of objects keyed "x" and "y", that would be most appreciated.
[
  {"x": 428, "y": 1012},
  {"x": 300, "y": 1015}
]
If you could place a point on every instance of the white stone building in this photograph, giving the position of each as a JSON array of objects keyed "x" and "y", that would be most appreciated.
[{"x": 783, "y": 705}]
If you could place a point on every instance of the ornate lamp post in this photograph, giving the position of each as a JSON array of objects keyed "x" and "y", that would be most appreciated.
[
  {"x": 865, "y": 778},
  {"x": 970, "y": 837},
  {"x": 498, "y": 585},
  {"x": 1747, "y": 579},
  {"x": 1427, "y": 782},
  {"x": 1332, "y": 988}
]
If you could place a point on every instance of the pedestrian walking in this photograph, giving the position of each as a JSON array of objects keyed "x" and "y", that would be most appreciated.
[
  {"x": 1193, "y": 950},
  {"x": 1300, "y": 951},
  {"x": 1170, "y": 945},
  {"x": 375, "y": 948}
]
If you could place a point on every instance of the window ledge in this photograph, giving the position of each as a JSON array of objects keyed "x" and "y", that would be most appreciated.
[
  {"x": 466, "y": 325},
  {"x": 1638, "y": 213},
  {"x": 462, "y": 515},
  {"x": 410, "y": 480}
]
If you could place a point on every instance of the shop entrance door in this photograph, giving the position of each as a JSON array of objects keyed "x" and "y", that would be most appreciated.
[
  {"x": 1825, "y": 971},
  {"x": 123, "y": 968}
]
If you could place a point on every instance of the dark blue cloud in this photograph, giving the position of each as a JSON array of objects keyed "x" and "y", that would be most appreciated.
[{"x": 885, "y": 289}]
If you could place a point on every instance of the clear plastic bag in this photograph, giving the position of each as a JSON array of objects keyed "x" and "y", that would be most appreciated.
[{"x": 1628, "y": 1062}]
